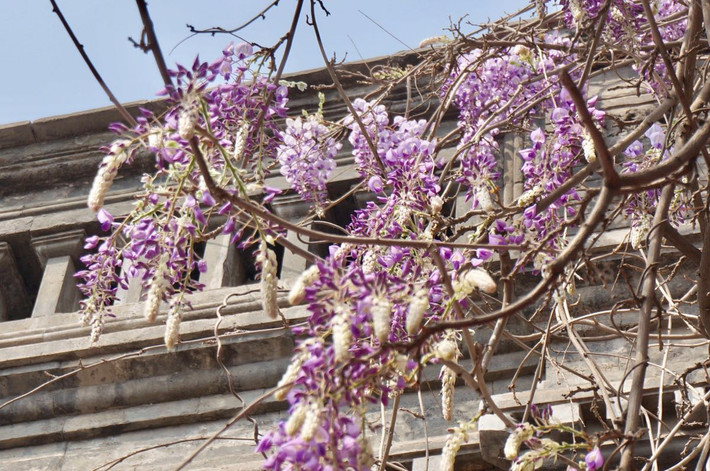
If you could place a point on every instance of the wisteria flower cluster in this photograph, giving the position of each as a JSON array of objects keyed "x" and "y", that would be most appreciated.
[
  {"x": 626, "y": 23},
  {"x": 307, "y": 157},
  {"x": 416, "y": 260},
  {"x": 546, "y": 165},
  {"x": 155, "y": 242},
  {"x": 540, "y": 448},
  {"x": 641, "y": 206},
  {"x": 489, "y": 90}
]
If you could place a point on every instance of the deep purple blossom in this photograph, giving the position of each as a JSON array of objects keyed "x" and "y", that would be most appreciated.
[{"x": 594, "y": 459}]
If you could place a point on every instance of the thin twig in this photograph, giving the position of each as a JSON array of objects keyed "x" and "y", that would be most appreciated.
[
  {"x": 153, "y": 41},
  {"x": 644, "y": 324},
  {"x": 79, "y": 47}
]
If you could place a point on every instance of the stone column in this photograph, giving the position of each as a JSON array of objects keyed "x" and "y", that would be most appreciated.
[
  {"x": 294, "y": 209},
  {"x": 225, "y": 264},
  {"x": 58, "y": 254},
  {"x": 14, "y": 300}
]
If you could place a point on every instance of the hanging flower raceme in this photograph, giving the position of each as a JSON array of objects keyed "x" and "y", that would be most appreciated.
[
  {"x": 156, "y": 240},
  {"x": 641, "y": 206},
  {"x": 307, "y": 157}
]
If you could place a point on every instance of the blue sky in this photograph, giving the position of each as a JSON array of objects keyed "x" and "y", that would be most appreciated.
[{"x": 43, "y": 74}]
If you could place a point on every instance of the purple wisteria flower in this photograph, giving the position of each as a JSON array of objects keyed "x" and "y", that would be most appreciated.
[
  {"x": 594, "y": 459},
  {"x": 641, "y": 206},
  {"x": 491, "y": 88},
  {"x": 307, "y": 157}
]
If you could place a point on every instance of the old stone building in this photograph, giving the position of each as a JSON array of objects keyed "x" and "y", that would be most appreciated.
[{"x": 127, "y": 403}]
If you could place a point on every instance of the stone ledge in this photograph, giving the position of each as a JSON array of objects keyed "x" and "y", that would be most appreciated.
[
  {"x": 29, "y": 338},
  {"x": 112, "y": 422}
]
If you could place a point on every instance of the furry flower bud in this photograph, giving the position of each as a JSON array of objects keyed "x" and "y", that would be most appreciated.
[
  {"x": 310, "y": 424},
  {"x": 298, "y": 290},
  {"x": 483, "y": 196},
  {"x": 381, "y": 311},
  {"x": 269, "y": 279},
  {"x": 290, "y": 375},
  {"x": 157, "y": 288},
  {"x": 480, "y": 279},
  {"x": 187, "y": 121},
  {"x": 512, "y": 445},
  {"x": 342, "y": 336},
  {"x": 108, "y": 170},
  {"x": 296, "y": 419},
  {"x": 172, "y": 326},
  {"x": 418, "y": 305},
  {"x": 448, "y": 380}
]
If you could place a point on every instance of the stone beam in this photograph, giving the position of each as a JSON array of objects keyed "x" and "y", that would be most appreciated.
[{"x": 58, "y": 254}]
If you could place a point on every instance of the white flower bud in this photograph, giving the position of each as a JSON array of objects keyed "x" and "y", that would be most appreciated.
[
  {"x": 512, "y": 445},
  {"x": 588, "y": 148},
  {"x": 483, "y": 196},
  {"x": 187, "y": 121},
  {"x": 577, "y": 11},
  {"x": 450, "y": 450},
  {"x": 640, "y": 231},
  {"x": 298, "y": 290},
  {"x": 434, "y": 40},
  {"x": 342, "y": 336},
  {"x": 295, "y": 421},
  {"x": 447, "y": 350},
  {"x": 402, "y": 215},
  {"x": 369, "y": 262},
  {"x": 157, "y": 288},
  {"x": 172, "y": 326},
  {"x": 240, "y": 141},
  {"x": 480, "y": 279},
  {"x": 108, "y": 170},
  {"x": 527, "y": 198},
  {"x": 437, "y": 203},
  {"x": 418, "y": 305},
  {"x": 310, "y": 424},
  {"x": 269, "y": 280},
  {"x": 289, "y": 377},
  {"x": 97, "y": 327},
  {"x": 381, "y": 311},
  {"x": 155, "y": 138},
  {"x": 448, "y": 380},
  {"x": 342, "y": 252},
  {"x": 471, "y": 280},
  {"x": 523, "y": 52}
]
